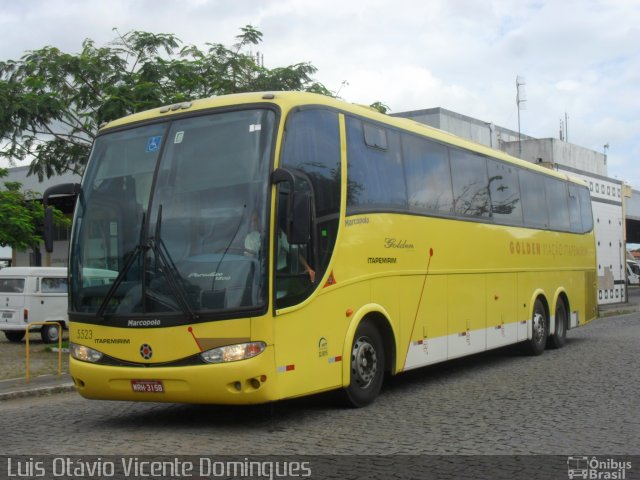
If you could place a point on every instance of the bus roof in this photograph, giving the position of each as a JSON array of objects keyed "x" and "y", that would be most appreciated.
[{"x": 288, "y": 100}]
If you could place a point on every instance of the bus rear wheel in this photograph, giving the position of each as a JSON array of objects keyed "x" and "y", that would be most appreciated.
[
  {"x": 367, "y": 366},
  {"x": 559, "y": 337},
  {"x": 539, "y": 329}
]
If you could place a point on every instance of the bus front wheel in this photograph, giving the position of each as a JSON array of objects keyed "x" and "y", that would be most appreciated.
[
  {"x": 539, "y": 330},
  {"x": 367, "y": 366}
]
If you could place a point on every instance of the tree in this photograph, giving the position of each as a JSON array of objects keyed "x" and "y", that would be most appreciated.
[
  {"x": 52, "y": 103},
  {"x": 379, "y": 106},
  {"x": 21, "y": 213}
]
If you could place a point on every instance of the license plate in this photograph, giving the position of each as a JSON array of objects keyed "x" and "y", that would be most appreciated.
[
  {"x": 147, "y": 386},
  {"x": 7, "y": 314}
]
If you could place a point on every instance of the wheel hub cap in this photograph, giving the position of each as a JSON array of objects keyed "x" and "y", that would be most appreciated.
[
  {"x": 364, "y": 362},
  {"x": 538, "y": 327}
]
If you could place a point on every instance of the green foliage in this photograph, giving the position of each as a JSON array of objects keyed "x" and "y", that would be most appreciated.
[
  {"x": 379, "y": 106},
  {"x": 20, "y": 215},
  {"x": 52, "y": 103}
]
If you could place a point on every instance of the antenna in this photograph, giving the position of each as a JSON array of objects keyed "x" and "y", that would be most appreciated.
[
  {"x": 521, "y": 97},
  {"x": 343, "y": 84}
]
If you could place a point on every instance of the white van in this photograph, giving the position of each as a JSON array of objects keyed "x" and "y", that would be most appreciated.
[
  {"x": 633, "y": 273},
  {"x": 33, "y": 294}
]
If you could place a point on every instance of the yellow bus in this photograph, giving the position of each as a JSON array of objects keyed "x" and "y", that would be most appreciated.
[{"x": 272, "y": 245}]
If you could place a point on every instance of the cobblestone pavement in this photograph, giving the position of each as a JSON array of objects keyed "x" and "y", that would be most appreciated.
[
  {"x": 42, "y": 360},
  {"x": 581, "y": 400}
]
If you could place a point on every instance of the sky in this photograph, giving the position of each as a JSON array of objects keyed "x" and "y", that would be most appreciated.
[{"x": 579, "y": 59}]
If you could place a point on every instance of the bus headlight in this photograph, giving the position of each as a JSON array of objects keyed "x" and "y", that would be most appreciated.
[
  {"x": 86, "y": 354},
  {"x": 233, "y": 353}
]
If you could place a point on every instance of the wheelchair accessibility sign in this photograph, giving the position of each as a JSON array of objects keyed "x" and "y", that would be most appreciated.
[{"x": 153, "y": 144}]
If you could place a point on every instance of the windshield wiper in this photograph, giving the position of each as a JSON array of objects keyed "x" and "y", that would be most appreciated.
[
  {"x": 140, "y": 247},
  {"x": 168, "y": 268}
]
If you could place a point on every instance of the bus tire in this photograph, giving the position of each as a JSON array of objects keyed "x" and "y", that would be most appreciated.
[
  {"x": 50, "y": 332},
  {"x": 367, "y": 366},
  {"x": 14, "y": 336},
  {"x": 558, "y": 338},
  {"x": 539, "y": 328}
]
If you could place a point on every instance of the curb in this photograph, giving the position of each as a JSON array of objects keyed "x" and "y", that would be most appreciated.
[
  {"x": 616, "y": 309},
  {"x": 615, "y": 313},
  {"x": 39, "y": 386},
  {"x": 38, "y": 391}
]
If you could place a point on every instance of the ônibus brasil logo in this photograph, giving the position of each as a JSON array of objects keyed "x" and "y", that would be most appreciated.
[{"x": 597, "y": 469}]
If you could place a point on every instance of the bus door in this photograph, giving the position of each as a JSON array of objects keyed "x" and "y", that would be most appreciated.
[
  {"x": 309, "y": 320},
  {"x": 306, "y": 337}
]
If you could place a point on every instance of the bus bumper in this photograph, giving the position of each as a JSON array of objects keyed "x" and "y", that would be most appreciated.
[{"x": 243, "y": 382}]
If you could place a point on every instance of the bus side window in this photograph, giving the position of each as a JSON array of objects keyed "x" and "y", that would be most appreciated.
[
  {"x": 470, "y": 183},
  {"x": 585, "y": 209},
  {"x": 557, "y": 196},
  {"x": 534, "y": 204},
  {"x": 428, "y": 175},
  {"x": 312, "y": 148},
  {"x": 574, "y": 210},
  {"x": 506, "y": 207},
  {"x": 376, "y": 179}
]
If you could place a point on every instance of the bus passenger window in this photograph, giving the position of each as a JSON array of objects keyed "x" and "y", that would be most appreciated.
[
  {"x": 376, "y": 178},
  {"x": 428, "y": 176},
  {"x": 470, "y": 184},
  {"x": 534, "y": 204},
  {"x": 506, "y": 206},
  {"x": 585, "y": 209},
  {"x": 557, "y": 197}
]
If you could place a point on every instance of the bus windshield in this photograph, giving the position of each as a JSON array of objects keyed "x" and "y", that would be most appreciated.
[{"x": 173, "y": 212}]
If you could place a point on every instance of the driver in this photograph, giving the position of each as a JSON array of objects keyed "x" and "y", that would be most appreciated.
[{"x": 252, "y": 243}]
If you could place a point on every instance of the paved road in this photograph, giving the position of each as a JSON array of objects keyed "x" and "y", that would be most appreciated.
[{"x": 581, "y": 400}]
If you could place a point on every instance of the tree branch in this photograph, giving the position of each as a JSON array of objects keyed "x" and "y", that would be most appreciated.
[{"x": 65, "y": 137}]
